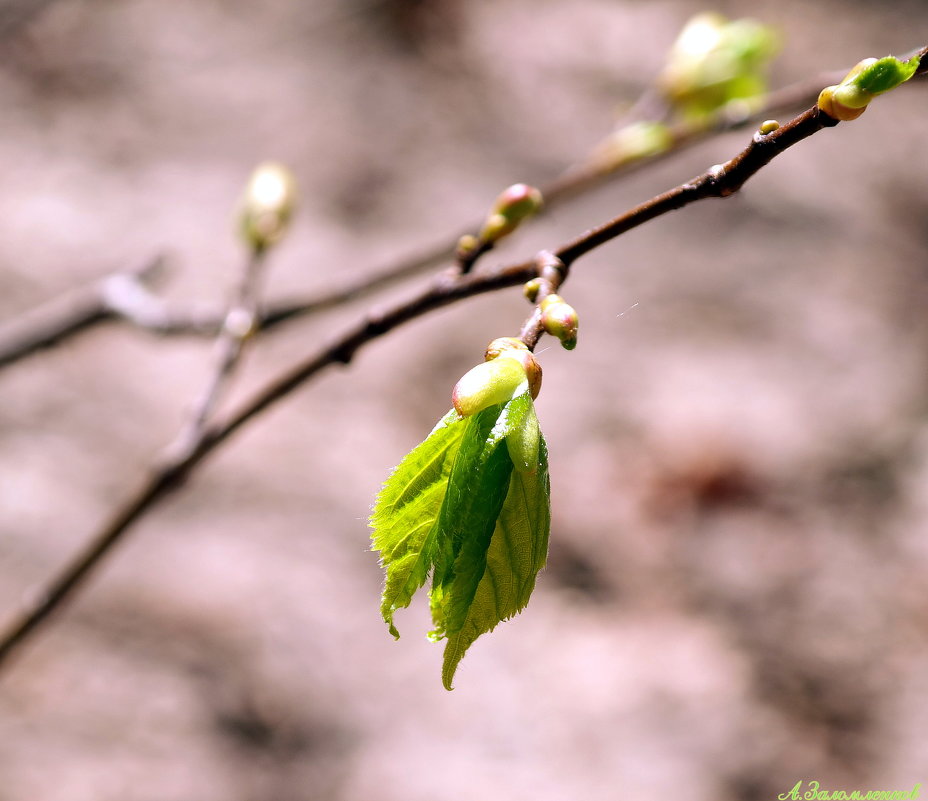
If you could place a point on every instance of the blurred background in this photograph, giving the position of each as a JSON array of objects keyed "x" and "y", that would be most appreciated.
[{"x": 735, "y": 597}]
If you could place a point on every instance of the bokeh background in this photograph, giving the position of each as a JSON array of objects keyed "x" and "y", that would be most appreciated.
[{"x": 735, "y": 598}]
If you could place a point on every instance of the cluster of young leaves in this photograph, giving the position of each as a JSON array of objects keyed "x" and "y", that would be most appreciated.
[{"x": 469, "y": 507}]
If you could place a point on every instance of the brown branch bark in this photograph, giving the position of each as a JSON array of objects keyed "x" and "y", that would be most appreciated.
[{"x": 240, "y": 323}]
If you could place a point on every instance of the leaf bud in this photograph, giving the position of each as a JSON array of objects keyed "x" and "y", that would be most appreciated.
[
  {"x": 514, "y": 204},
  {"x": 513, "y": 348},
  {"x": 467, "y": 244},
  {"x": 267, "y": 205},
  {"x": 531, "y": 289},
  {"x": 495, "y": 227},
  {"x": 560, "y": 319},
  {"x": 550, "y": 300},
  {"x": 489, "y": 383},
  {"x": 828, "y": 103},
  {"x": 869, "y": 78},
  {"x": 768, "y": 127}
]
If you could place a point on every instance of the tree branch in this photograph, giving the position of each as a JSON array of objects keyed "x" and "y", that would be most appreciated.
[
  {"x": 240, "y": 323},
  {"x": 132, "y": 302},
  {"x": 450, "y": 286}
]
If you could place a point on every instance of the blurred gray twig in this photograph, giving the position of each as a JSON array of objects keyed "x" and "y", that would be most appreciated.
[{"x": 122, "y": 295}]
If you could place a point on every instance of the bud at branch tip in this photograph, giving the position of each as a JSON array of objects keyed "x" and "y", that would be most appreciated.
[
  {"x": 871, "y": 77},
  {"x": 560, "y": 320},
  {"x": 267, "y": 205},
  {"x": 488, "y": 383},
  {"x": 512, "y": 207}
]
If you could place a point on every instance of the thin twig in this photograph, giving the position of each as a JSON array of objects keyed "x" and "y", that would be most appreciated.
[
  {"x": 719, "y": 181},
  {"x": 240, "y": 323},
  {"x": 121, "y": 294},
  {"x": 136, "y": 305},
  {"x": 552, "y": 272}
]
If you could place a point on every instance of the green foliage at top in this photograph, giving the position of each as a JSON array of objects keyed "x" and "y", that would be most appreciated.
[{"x": 470, "y": 507}]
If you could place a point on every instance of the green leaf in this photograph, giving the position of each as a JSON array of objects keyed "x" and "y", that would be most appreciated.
[
  {"x": 477, "y": 488},
  {"x": 517, "y": 551},
  {"x": 455, "y": 508},
  {"x": 404, "y": 515},
  {"x": 885, "y": 74}
]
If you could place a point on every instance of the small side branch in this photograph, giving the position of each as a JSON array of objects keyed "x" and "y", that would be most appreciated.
[
  {"x": 240, "y": 323},
  {"x": 122, "y": 294}
]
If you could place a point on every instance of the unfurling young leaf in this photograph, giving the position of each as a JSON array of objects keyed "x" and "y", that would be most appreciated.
[
  {"x": 405, "y": 513},
  {"x": 456, "y": 509},
  {"x": 871, "y": 77},
  {"x": 517, "y": 552}
]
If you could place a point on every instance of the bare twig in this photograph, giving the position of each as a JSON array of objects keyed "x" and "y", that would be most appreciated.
[
  {"x": 719, "y": 181},
  {"x": 552, "y": 272},
  {"x": 122, "y": 294},
  {"x": 240, "y": 323}
]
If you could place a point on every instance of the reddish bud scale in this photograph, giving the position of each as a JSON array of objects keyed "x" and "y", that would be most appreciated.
[
  {"x": 517, "y": 202},
  {"x": 513, "y": 206}
]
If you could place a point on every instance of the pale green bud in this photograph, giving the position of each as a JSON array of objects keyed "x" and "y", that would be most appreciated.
[
  {"x": 496, "y": 227},
  {"x": 513, "y": 348},
  {"x": 467, "y": 244},
  {"x": 550, "y": 300},
  {"x": 560, "y": 319},
  {"x": 267, "y": 205},
  {"x": 640, "y": 140},
  {"x": 489, "y": 383},
  {"x": 852, "y": 96},
  {"x": 868, "y": 78},
  {"x": 836, "y": 110},
  {"x": 514, "y": 205},
  {"x": 531, "y": 289}
]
